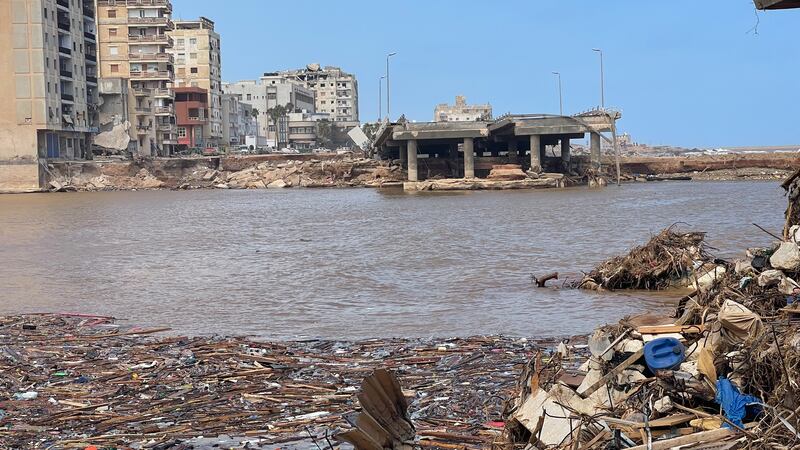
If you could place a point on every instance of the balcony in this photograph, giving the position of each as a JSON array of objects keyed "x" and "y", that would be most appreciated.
[
  {"x": 151, "y": 22},
  {"x": 166, "y": 127},
  {"x": 160, "y": 74},
  {"x": 64, "y": 3},
  {"x": 151, "y": 38},
  {"x": 142, "y": 129},
  {"x": 91, "y": 79},
  {"x": 88, "y": 10},
  {"x": 65, "y": 73},
  {"x": 63, "y": 24},
  {"x": 143, "y": 110},
  {"x": 158, "y": 57},
  {"x": 163, "y": 110},
  {"x": 67, "y": 97},
  {"x": 90, "y": 36},
  {"x": 160, "y": 3},
  {"x": 141, "y": 92},
  {"x": 91, "y": 57},
  {"x": 65, "y": 50},
  {"x": 162, "y": 93}
]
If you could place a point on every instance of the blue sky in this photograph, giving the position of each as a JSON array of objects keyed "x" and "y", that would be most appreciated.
[{"x": 683, "y": 72}]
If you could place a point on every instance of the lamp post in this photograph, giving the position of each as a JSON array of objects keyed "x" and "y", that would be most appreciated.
[
  {"x": 380, "y": 97},
  {"x": 602, "y": 79},
  {"x": 560, "y": 97},
  {"x": 388, "y": 110}
]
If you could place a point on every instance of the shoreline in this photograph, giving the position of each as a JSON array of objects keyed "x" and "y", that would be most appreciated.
[{"x": 287, "y": 390}]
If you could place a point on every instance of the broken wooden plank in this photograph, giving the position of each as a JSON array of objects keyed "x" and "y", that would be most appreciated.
[
  {"x": 613, "y": 373},
  {"x": 696, "y": 438},
  {"x": 662, "y": 329}
]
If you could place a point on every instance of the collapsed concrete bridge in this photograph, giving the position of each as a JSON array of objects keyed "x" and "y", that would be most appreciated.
[{"x": 466, "y": 147}]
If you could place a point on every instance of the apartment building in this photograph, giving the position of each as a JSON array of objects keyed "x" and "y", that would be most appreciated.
[
  {"x": 336, "y": 92},
  {"x": 48, "y": 83},
  {"x": 270, "y": 91},
  {"x": 192, "y": 115},
  {"x": 461, "y": 111},
  {"x": 198, "y": 64},
  {"x": 134, "y": 45}
]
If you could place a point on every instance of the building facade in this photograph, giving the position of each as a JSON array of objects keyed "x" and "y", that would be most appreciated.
[
  {"x": 192, "y": 116},
  {"x": 134, "y": 45},
  {"x": 198, "y": 64},
  {"x": 270, "y": 91},
  {"x": 48, "y": 82},
  {"x": 336, "y": 92},
  {"x": 462, "y": 112}
]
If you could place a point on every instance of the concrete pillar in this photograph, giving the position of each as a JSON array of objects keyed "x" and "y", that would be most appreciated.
[
  {"x": 469, "y": 158},
  {"x": 412, "y": 160},
  {"x": 403, "y": 155},
  {"x": 536, "y": 156},
  {"x": 595, "y": 150},
  {"x": 512, "y": 149},
  {"x": 565, "y": 156}
]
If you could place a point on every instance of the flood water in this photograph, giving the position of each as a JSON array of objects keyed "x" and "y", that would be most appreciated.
[{"x": 353, "y": 263}]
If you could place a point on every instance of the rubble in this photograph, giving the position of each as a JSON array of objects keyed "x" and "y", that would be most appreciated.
[
  {"x": 101, "y": 383},
  {"x": 722, "y": 370}
]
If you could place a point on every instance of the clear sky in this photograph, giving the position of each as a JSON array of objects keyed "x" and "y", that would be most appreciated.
[{"x": 684, "y": 72}]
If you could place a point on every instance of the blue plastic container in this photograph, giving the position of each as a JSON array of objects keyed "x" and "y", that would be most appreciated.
[{"x": 664, "y": 354}]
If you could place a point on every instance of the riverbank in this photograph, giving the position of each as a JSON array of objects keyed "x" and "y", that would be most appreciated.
[
  {"x": 318, "y": 171},
  {"x": 73, "y": 381}
]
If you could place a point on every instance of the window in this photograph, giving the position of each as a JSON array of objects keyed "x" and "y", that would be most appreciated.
[
  {"x": 112, "y": 13},
  {"x": 113, "y": 51},
  {"x": 192, "y": 55},
  {"x": 112, "y": 31},
  {"x": 114, "y": 68},
  {"x": 193, "y": 41},
  {"x": 180, "y": 43},
  {"x": 249, "y": 97},
  {"x": 182, "y": 132},
  {"x": 193, "y": 70}
]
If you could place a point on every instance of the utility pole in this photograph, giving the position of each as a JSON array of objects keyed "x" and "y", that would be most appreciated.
[
  {"x": 560, "y": 97},
  {"x": 602, "y": 79},
  {"x": 388, "y": 109},
  {"x": 380, "y": 98}
]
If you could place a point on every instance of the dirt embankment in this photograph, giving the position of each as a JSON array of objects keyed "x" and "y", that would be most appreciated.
[
  {"x": 254, "y": 172},
  {"x": 718, "y": 167}
]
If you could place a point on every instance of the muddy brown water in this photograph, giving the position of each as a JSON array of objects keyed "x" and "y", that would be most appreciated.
[{"x": 353, "y": 263}]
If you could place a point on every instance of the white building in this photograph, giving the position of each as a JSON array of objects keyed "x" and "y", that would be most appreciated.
[
  {"x": 336, "y": 91},
  {"x": 462, "y": 112}
]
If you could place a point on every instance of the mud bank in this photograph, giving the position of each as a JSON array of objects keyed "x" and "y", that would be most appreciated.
[
  {"x": 731, "y": 164},
  {"x": 256, "y": 172}
]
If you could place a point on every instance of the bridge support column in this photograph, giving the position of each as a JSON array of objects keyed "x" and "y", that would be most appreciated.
[
  {"x": 565, "y": 156},
  {"x": 536, "y": 156},
  {"x": 512, "y": 149},
  {"x": 595, "y": 150},
  {"x": 469, "y": 158},
  {"x": 403, "y": 155},
  {"x": 412, "y": 160}
]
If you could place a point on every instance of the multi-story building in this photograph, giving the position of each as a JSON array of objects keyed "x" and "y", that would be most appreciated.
[
  {"x": 134, "y": 45},
  {"x": 461, "y": 111},
  {"x": 198, "y": 64},
  {"x": 270, "y": 91},
  {"x": 336, "y": 92},
  {"x": 191, "y": 112},
  {"x": 48, "y": 84}
]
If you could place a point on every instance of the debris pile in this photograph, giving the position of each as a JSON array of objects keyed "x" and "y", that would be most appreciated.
[
  {"x": 667, "y": 260},
  {"x": 722, "y": 371},
  {"x": 73, "y": 381},
  {"x": 310, "y": 173}
]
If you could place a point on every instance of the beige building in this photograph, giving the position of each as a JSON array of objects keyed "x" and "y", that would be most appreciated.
[
  {"x": 198, "y": 64},
  {"x": 48, "y": 85},
  {"x": 461, "y": 111},
  {"x": 336, "y": 92},
  {"x": 134, "y": 45}
]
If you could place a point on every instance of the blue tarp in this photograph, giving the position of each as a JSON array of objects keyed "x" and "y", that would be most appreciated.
[{"x": 733, "y": 402}]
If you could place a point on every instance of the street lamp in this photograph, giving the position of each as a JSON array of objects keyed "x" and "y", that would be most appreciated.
[
  {"x": 380, "y": 97},
  {"x": 560, "y": 97},
  {"x": 602, "y": 80},
  {"x": 388, "y": 110}
]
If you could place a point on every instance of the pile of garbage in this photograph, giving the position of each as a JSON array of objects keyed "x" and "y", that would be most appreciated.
[
  {"x": 721, "y": 373},
  {"x": 667, "y": 260},
  {"x": 70, "y": 381}
]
